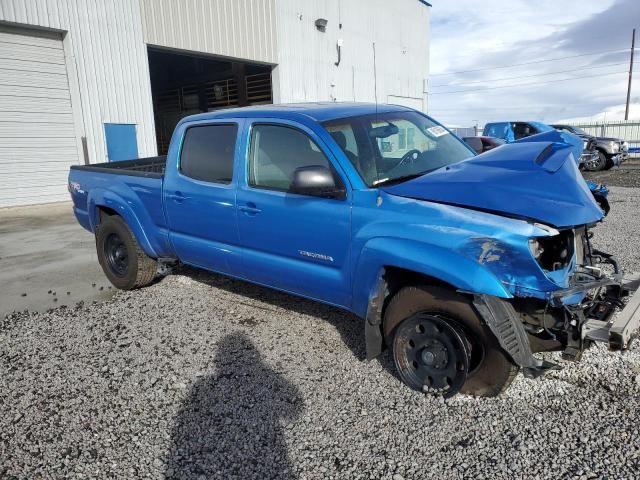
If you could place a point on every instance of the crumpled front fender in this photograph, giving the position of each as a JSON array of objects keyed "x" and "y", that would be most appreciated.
[
  {"x": 431, "y": 260},
  {"x": 513, "y": 265}
]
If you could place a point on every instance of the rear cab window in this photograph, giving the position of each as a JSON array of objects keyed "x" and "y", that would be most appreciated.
[
  {"x": 500, "y": 130},
  {"x": 208, "y": 152}
]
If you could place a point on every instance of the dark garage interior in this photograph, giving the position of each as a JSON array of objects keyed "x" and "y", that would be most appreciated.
[{"x": 184, "y": 84}]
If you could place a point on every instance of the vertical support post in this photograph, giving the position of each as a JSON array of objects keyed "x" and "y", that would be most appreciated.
[
  {"x": 239, "y": 73},
  {"x": 375, "y": 78},
  {"x": 202, "y": 98},
  {"x": 202, "y": 93},
  {"x": 633, "y": 44},
  {"x": 85, "y": 151}
]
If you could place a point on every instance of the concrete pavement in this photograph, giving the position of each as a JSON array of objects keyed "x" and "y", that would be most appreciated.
[{"x": 43, "y": 249}]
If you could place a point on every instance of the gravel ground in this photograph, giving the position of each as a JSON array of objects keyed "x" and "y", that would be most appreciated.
[
  {"x": 628, "y": 175},
  {"x": 199, "y": 376}
]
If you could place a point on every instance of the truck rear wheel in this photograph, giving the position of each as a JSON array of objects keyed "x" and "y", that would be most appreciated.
[
  {"x": 123, "y": 261},
  {"x": 439, "y": 343}
]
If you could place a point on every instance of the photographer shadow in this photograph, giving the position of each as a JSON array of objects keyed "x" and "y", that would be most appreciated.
[{"x": 231, "y": 424}]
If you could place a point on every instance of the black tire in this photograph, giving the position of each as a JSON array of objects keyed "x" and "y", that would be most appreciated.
[
  {"x": 603, "y": 161},
  {"x": 609, "y": 165},
  {"x": 491, "y": 370},
  {"x": 123, "y": 261},
  {"x": 597, "y": 164}
]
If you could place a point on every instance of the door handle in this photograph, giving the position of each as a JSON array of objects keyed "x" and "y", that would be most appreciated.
[
  {"x": 177, "y": 197},
  {"x": 250, "y": 209}
]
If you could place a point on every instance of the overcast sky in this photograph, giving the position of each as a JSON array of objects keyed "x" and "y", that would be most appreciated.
[{"x": 482, "y": 40}]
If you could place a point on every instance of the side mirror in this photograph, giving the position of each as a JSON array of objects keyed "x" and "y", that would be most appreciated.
[{"x": 317, "y": 181}]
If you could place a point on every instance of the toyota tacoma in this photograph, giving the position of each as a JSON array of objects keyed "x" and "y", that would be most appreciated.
[{"x": 463, "y": 266}]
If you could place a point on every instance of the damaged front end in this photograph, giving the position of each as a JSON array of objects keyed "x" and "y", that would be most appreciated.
[
  {"x": 524, "y": 216},
  {"x": 588, "y": 307}
]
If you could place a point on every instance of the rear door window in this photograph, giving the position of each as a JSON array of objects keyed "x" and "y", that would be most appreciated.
[{"x": 208, "y": 152}]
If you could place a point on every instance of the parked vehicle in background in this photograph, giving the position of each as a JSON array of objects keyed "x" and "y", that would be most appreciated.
[
  {"x": 483, "y": 144},
  {"x": 514, "y": 131},
  {"x": 463, "y": 265},
  {"x": 611, "y": 151}
]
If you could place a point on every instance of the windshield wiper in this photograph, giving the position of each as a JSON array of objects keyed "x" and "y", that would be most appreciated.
[{"x": 404, "y": 178}]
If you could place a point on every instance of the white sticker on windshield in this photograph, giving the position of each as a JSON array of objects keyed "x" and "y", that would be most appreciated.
[{"x": 437, "y": 131}]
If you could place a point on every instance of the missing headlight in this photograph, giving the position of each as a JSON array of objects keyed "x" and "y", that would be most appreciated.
[{"x": 553, "y": 252}]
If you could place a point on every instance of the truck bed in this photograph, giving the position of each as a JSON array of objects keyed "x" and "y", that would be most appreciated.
[
  {"x": 142, "y": 167},
  {"x": 134, "y": 188}
]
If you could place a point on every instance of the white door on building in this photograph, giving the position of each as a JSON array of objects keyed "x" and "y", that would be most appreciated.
[{"x": 37, "y": 136}]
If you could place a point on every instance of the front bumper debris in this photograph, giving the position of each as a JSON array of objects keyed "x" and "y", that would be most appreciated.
[
  {"x": 601, "y": 316},
  {"x": 505, "y": 324},
  {"x": 618, "y": 331},
  {"x": 600, "y": 322}
]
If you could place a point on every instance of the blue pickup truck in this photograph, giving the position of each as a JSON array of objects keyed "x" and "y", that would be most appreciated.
[
  {"x": 514, "y": 131},
  {"x": 463, "y": 266}
]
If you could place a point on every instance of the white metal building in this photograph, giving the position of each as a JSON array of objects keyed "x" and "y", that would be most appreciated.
[{"x": 88, "y": 81}]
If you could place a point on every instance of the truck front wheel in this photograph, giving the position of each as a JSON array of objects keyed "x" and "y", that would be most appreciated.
[
  {"x": 439, "y": 344},
  {"x": 597, "y": 163},
  {"x": 123, "y": 261},
  {"x": 601, "y": 163}
]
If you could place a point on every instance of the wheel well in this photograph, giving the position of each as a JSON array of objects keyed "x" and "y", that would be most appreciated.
[
  {"x": 397, "y": 278},
  {"x": 393, "y": 279},
  {"x": 105, "y": 212}
]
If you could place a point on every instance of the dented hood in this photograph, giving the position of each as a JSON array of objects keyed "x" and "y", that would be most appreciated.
[{"x": 533, "y": 180}]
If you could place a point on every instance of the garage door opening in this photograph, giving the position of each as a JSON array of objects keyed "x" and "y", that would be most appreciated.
[{"x": 184, "y": 84}]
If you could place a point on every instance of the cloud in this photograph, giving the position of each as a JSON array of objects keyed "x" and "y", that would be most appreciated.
[
  {"x": 606, "y": 30},
  {"x": 615, "y": 112},
  {"x": 469, "y": 38}
]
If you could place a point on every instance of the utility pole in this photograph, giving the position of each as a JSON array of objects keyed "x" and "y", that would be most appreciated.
[{"x": 633, "y": 45}]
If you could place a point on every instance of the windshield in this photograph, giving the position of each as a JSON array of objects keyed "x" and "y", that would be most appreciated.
[{"x": 394, "y": 146}]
